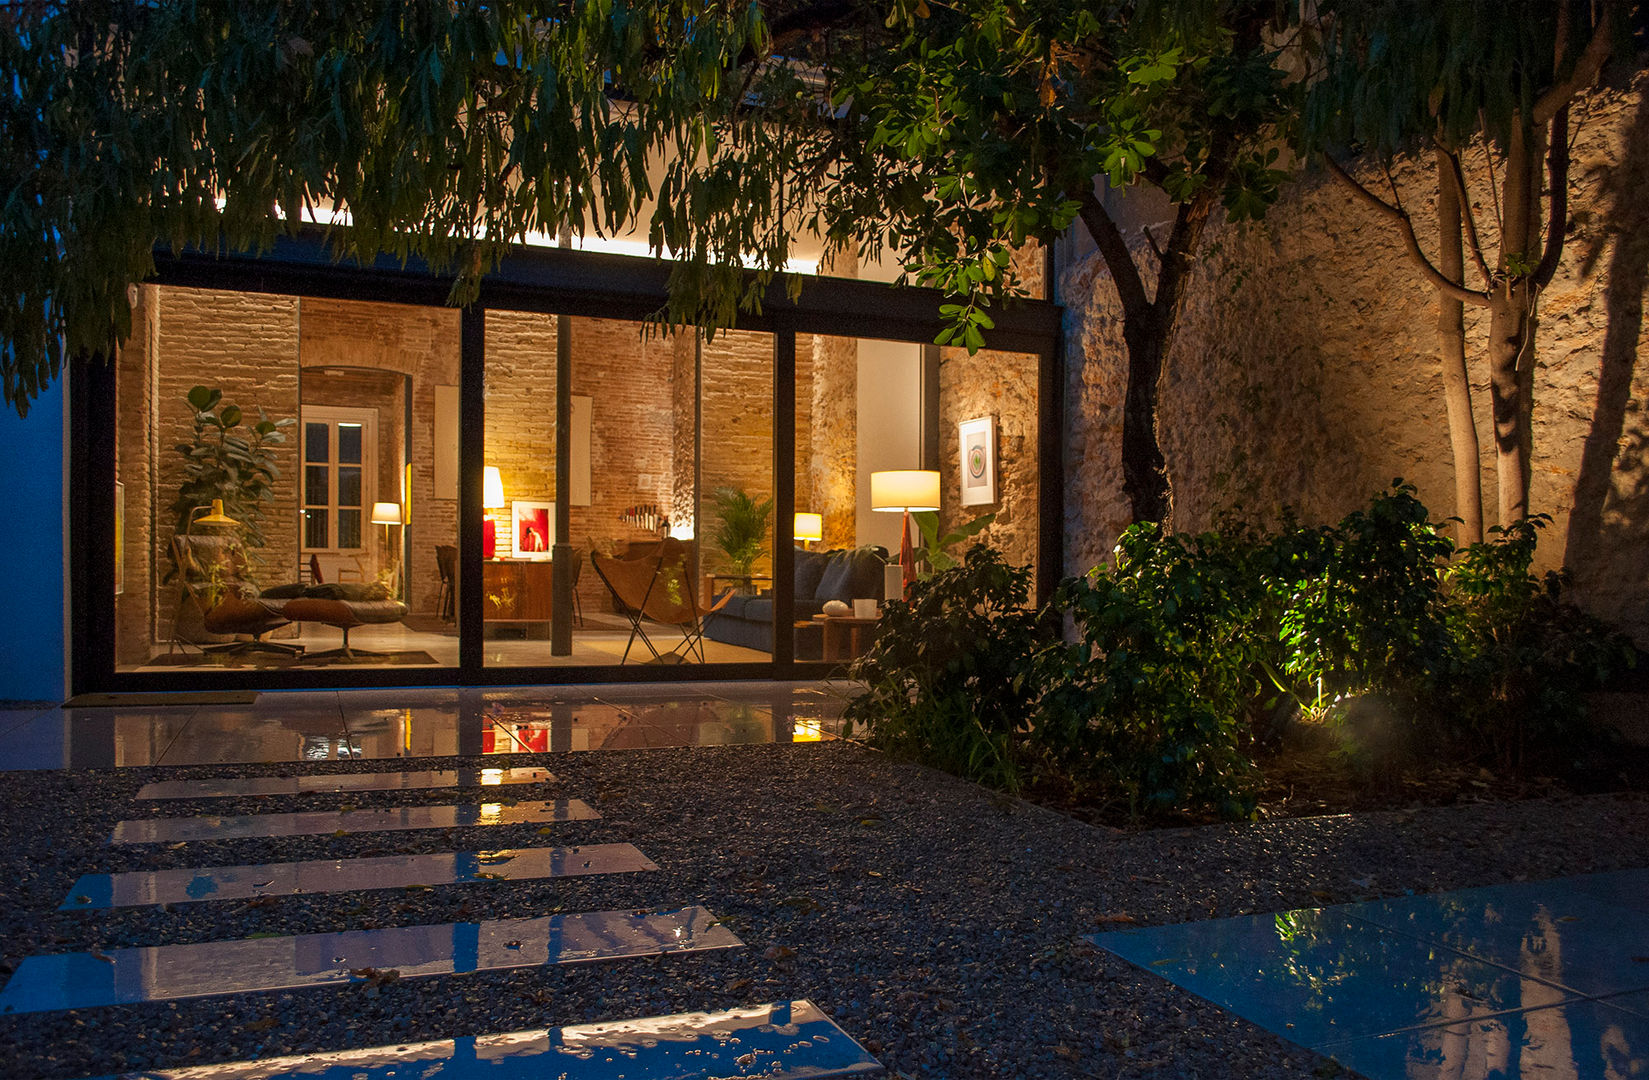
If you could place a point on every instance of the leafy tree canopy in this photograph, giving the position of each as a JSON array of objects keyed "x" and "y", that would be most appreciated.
[{"x": 951, "y": 132}]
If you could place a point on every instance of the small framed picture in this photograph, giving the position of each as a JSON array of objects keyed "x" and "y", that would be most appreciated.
[
  {"x": 532, "y": 528},
  {"x": 976, "y": 443}
]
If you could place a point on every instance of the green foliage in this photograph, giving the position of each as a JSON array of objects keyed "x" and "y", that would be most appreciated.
[
  {"x": 932, "y": 552},
  {"x": 1525, "y": 655},
  {"x": 741, "y": 527},
  {"x": 1148, "y": 704},
  {"x": 948, "y": 678},
  {"x": 1393, "y": 73},
  {"x": 1186, "y": 648},
  {"x": 229, "y": 460},
  {"x": 1359, "y": 603}
]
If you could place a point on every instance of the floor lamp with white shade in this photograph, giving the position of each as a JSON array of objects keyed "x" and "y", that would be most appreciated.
[{"x": 905, "y": 491}]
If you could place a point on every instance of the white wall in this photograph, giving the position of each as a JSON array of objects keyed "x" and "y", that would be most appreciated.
[{"x": 890, "y": 428}]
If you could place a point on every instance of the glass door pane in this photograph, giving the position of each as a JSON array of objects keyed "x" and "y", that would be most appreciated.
[
  {"x": 354, "y": 459},
  {"x": 644, "y": 520}
]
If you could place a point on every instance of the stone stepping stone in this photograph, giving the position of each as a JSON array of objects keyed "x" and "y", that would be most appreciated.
[
  {"x": 169, "y": 972},
  {"x": 228, "y": 787},
  {"x": 95, "y": 891},
  {"x": 790, "y": 1040},
  {"x": 324, "y": 822}
]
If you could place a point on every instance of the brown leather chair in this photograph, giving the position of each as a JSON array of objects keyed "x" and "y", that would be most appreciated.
[{"x": 212, "y": 573}]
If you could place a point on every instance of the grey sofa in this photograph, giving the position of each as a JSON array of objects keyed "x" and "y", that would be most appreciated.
[{"x": 845, "y": 575}]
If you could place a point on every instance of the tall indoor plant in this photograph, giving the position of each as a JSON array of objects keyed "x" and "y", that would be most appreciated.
[
  {"x": 741, "y": 531},
  {"x": 231, "y": 460}
]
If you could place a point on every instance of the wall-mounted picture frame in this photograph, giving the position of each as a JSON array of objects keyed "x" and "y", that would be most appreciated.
[
  {"x": 532, "y": 529},
  {"x": 976, "y": 445}
]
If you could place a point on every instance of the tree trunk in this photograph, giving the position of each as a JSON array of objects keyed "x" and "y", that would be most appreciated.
[
  {"x": 1451, "y": 335},
  {"x": 1144, "y": 469},
  {"x": 1510, "y": 328}
]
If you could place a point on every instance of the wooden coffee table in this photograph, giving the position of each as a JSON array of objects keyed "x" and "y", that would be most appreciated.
[{"x": 847, "y": 637}]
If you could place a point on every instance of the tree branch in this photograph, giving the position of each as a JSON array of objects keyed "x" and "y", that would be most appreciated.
[
  {"x": 1124, "y": 272},
  {"x": 1585, "y": 73},
  {"x": 1405, "y": 227},
  {"x": 1557, "y": 222},
  {"x": 1468, "y": 217}
]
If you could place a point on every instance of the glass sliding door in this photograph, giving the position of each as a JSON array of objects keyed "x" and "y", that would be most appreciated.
[
  {"x": 666, "y": 506},
  {"x": 867, "y": 406},
  {"x": 284, "y": 483}
]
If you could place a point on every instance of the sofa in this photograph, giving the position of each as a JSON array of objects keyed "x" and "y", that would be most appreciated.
[{"x": 821, "y": 576}]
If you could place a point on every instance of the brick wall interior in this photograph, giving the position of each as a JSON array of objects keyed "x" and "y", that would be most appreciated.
[{"x": 278, "y": 352}]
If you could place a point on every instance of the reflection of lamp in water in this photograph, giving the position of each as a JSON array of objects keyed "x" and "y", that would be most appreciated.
[
  {"x": 809, "y": 527},
  {"x": 904, "y": 491},
  {"x": 492, "y": 498},
  {"x": 387, "y": 514}
]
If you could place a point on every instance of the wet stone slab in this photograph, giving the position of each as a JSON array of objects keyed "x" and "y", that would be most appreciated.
[
  {"x": 170, "y": 972},
  {"x": 324, "y": 823},
  {"x": 95, "y": 891},
  {"x": 786, "y": 1041},
  {"x": 233, "y": 787}
]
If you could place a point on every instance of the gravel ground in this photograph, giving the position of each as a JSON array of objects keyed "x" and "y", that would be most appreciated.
[{"x": 939, "y": 924}]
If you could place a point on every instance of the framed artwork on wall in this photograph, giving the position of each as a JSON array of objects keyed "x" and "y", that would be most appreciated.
[
  {"x": 532, "y": 528},
  {"x": 976, "y": 444}
]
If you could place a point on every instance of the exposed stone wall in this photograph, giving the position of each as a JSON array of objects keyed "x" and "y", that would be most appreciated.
[
  {"x": 390, "y": 340},
  {"x": 1306, "y": 369},
  {"x": 833, "y": 457},
  {"x": 1000, "y": 385},
  {"x": 736, "y": 449},
  {"x": 246, "y": 345}
]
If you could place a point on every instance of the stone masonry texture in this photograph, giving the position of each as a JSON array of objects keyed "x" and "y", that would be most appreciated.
[{"x": 1305, "y": 373}]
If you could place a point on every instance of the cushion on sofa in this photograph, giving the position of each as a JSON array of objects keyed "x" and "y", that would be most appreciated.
[
  {"x": 810, "y": 567},
  {"x": 734, "y": 608},
  {"x": 852, "y": 575}
]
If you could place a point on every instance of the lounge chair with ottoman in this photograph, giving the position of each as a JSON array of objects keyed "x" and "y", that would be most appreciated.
[{"x": 344, "y": 605}]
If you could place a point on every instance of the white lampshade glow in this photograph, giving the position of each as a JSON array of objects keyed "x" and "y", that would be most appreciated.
[
  {"x": 386, "y": 513},
  {"x": 492, "y": 488},
  {"x": 904, "y": 489},
  {"x": 809, "y": 527}
]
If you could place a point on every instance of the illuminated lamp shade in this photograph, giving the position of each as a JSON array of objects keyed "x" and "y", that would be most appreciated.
[
  {"x": 904, "y": 489},
  {"x": 809, "y": 527},
  {"x": 492, "y": 489},
  {"x": 215, "y": 516},
  {"x": 386, "y": 513}
]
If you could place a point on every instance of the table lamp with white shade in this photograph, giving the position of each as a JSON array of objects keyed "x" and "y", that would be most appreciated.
[
  {"x": 808, "y": 527},
  {"x": 905, "y": 491}
]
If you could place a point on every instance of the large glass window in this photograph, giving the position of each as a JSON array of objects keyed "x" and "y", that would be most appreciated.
[
  {"x": 327, "y": 430},
  {"x": 668, "y": 508}
]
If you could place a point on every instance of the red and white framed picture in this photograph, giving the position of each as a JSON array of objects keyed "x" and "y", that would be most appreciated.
[
  {"x": 532, "y": 528},
  {"x": 976, "y": 443}
]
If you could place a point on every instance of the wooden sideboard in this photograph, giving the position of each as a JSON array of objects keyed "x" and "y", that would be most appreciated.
[{"x": 517, "y": 592}]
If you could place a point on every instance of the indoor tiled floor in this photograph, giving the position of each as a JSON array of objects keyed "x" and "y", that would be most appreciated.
[
  {"x": 421, "y": 722},
  {"x": 1535, "y": 979}
]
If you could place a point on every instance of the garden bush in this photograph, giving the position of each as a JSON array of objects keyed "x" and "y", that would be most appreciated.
[
  {"x": 1181, "y": 653},
  {"x": 948, "y": 678}
]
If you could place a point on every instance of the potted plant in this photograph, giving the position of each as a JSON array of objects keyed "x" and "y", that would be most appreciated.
[
  {"x": 741, "y": 531},
  {"x": 228, "y": 461},
  {"x": 234, "y": 462}
]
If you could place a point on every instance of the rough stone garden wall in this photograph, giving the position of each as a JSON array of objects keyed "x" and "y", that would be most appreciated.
[{"x": 1306, "y": 374}]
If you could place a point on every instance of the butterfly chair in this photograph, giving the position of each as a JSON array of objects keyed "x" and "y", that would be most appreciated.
[{"x": 657, "y": 588}]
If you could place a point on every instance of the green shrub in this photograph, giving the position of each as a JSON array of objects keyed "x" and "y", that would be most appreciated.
[
  {"x": 1525, "y": 655},
  {"x": 1148, "y": 705},
  {"x": 947, "y": 676}
]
